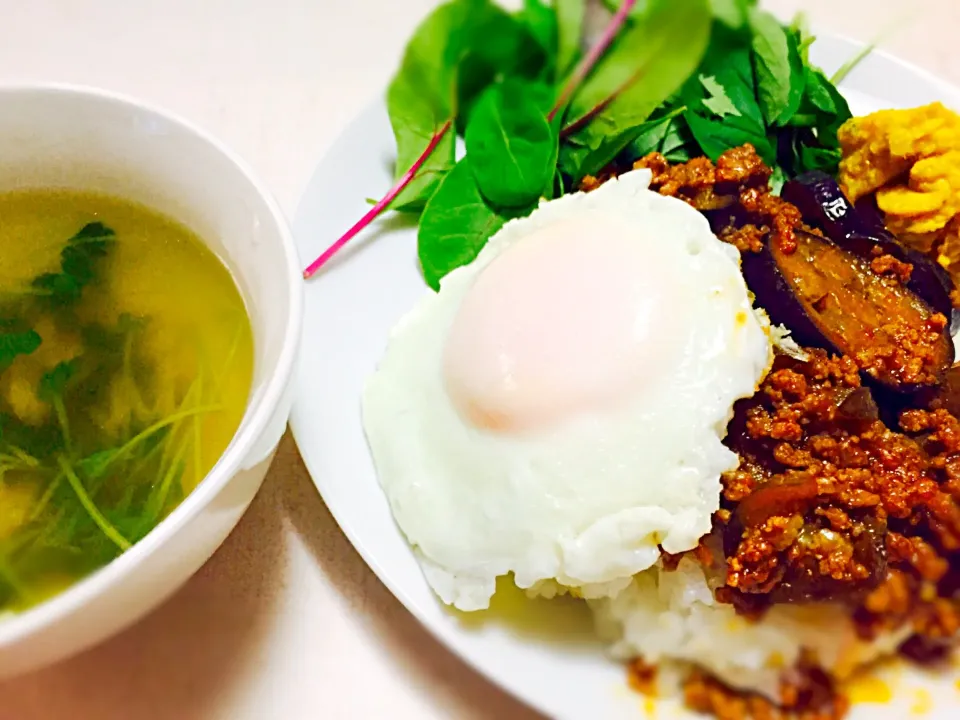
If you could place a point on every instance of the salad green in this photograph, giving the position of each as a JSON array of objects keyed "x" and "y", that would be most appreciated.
[{"x": 540, "y": 109}]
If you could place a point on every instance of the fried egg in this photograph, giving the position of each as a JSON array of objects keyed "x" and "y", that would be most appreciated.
[{"x": 556, "y": 410}]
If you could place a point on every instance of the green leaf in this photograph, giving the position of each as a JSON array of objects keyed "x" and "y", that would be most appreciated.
[
  {"x": 729, "y": 61},
  {"x": 819, "y": 158},
  {"x": 541, "y": 22},
  {"x": 717, "y": 100},
  {"x": 511, "y": 146},
  {"x": 516, "y": 53},
  {"x": 817, "y": 89},
  {"x": 78, "y": 261},
  {"x": 732, "y": 13},
  {"x": 679, "y": 145},
  {"x": 570, "y": 15},
  {"x": 717, "y": 136},
  {"x": 54, "y": 382},
  {"x": 13, "y": 344},
  {"x": 778, "y": 67},
  {"x": 94, "y": 465},
  {"x": 447, "y": 63},
  {"x": 455, "y": 225},
  {"x": 647, "y": 65},
  {"x": 777, "y": 180},
  {"x": 653, "y": 134},
  {"x": 800, "y": 30}
]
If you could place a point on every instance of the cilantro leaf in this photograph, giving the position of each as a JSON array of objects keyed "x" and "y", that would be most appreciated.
[
  {"x": 13, "y": 344},
  {"x": 717, "y": 100}
]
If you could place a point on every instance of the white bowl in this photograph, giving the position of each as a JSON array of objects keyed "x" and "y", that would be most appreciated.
[{"x": 70, "y": 137}]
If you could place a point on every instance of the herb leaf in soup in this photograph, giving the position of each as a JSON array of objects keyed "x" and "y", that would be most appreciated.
[
  {"x": 14, "y": 343},
  {"x": 123, "y": 376},
  {"x": 511, "y": 145},
  {"x": 78, "y": 261}
]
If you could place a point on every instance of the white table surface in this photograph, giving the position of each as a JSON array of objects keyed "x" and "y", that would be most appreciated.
[{"x": 286, "y": 621}]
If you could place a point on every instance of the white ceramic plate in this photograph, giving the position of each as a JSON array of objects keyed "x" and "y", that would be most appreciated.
[{"x": 544, "y": 653}]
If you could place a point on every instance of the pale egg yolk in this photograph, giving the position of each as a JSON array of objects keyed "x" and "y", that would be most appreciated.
[{"x": 574, "y": 318}]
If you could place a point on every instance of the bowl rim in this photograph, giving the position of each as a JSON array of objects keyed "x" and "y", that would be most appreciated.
[{"x": 15, "y": 628}]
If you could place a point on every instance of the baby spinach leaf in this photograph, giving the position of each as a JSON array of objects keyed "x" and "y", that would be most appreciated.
[
  {"x": 511, "y": 146},
  {"x": 13, "y": 344},
  {"x": 570, "y": 16},
  {"x": 455, "y": 225},
  {"x": 447, "y": 63},
  {"x": 516, "y": 53},
  {"x": 541, "y": 22},
  {"x": 420, "y": 99},
  {"x": 778, "y": 67},
  {"x": 646, "y": 66}
]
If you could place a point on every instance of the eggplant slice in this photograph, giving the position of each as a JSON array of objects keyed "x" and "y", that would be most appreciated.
[
  {"x": 824, "y": 206},
  {"x": 830, "y": 297}
]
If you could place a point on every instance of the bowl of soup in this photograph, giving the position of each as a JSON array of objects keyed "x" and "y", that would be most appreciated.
[{"x": 150, "y": 311}]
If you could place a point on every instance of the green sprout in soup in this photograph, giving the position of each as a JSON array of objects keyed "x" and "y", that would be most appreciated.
[{"x": 126, "y": 358}]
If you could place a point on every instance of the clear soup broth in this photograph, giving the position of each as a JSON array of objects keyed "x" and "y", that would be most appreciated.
[{"x": 126, "y": 360}]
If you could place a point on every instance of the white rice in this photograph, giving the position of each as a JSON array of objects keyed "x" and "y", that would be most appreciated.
[{"x": 672, "y": 620}]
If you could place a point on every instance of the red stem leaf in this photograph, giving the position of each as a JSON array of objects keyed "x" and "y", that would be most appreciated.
[
  {"x": 585, "y": 119},
  {"x": 593, "y": 56},
  {"x": 385, "y": 201}
]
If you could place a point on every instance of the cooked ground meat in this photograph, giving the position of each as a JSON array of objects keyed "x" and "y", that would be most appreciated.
[
  {"x": 642, "y": 677},
  {"x": 740, "y": 180},
  {"x": 840, "y": 496},
  {"x": 811, "y": 697},
  {"x": 904, "y": 350},
  {"x": 818, "y": 489},
  {"x": 889, "y": 266}
]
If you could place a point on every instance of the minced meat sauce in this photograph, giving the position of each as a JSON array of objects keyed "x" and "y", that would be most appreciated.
[{"x": 838, "y": 497}]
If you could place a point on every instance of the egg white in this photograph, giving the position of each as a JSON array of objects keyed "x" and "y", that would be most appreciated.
[{"x": 587, "y": 502}]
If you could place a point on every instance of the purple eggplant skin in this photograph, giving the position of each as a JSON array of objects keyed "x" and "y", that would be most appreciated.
[
  {"x": 947, "y": 395},
  {"x": 776, "y": 296},
  {"x": 823, "y": 205}
]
